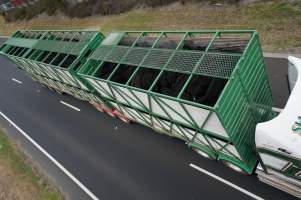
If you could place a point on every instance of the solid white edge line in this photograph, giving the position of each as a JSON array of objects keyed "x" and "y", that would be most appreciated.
[
  {"x": 2, "y": 36},
  {"x": 75, "y": 180},
  {"x": 70, "y": 106},
  {"x": 226, "y": 182},
  {"x": 17, "y": 80}
]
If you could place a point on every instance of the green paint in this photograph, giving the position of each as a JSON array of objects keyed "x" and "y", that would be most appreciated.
[{"x": 245, "y": 100}]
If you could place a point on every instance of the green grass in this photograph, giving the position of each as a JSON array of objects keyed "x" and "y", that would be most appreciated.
[
  {"x": 278, "y": 21},
  {"x": 24, "y": 173},
  {"x": 272, "y": 11}
]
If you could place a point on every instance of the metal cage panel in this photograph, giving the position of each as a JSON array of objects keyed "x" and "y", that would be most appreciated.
[
  {"x": 208, "y": 88},
  {"x": 53, "y": 58}
]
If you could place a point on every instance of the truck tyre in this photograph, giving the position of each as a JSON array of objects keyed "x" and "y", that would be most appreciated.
[
  {"x": 234, "y": 167},
  {"x": 57, "y": 91},
  {"x": 50, "y": 88},
  {"x": 125, "y": 119},
  {"x": 121, "y": 116},
  {"x": 99, "y": 108},
  {"x": 110, "y": 112}
]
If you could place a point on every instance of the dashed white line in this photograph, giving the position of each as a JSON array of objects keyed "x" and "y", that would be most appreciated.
[
  {"x": 61, "y": 167},
  {"x": 70, "y": 106},
  {"x": 226, "y": 182},
  {"x": 20, "y": 82}
]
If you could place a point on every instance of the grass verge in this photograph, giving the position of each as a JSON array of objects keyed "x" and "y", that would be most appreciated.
[
  {"x": 19, "y": 179},
  {"x": 278, "y": 21}
]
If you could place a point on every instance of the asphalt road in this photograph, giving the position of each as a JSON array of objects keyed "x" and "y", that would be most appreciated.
[
  {"x": 277, "y": 73},
  {"x": 116, "y": 160}
]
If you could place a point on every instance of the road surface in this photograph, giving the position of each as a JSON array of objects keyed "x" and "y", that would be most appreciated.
[{"x": 116, "y": 160}]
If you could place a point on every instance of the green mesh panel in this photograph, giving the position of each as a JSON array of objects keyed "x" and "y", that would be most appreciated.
[
  {"x": 70, "y": 48},
  {"x": 184, "y": 61},
  {"x": 21, "y": 42},
  {"x": 157, "y": 58},
  {"x": 77, "y": 47},
  {"x": 117, "y": 54},
  {"x": 220, "y": 65},
  {"x": 101, "y": 52},
  {"x": 87, "y": 36},
  {"x": 135, "y": 56},
  {"x": 60, "y": 46}
]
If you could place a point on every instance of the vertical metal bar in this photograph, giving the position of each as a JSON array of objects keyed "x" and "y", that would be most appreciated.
[
  {"x": 139, "y": 66},
  {"x": 162, "y": 70},
  {"x": 197, "y": 64},
  {"x": 103, "y": 61},
  {"x": 134, "y": 43}
]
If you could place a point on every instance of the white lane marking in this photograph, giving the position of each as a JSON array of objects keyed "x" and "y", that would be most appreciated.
[
  {"x": 226, "y": 182},
  {"x": 73, "y": 178},
  {"x": 3, "y": 36},
  {"x": 20, "y": 82},
  {"x": 70, "y": 106}
]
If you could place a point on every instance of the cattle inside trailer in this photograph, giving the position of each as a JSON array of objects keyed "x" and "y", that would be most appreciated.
[
  {"x": 197, "y": 86},
  {"x": 208, "y": 88}
]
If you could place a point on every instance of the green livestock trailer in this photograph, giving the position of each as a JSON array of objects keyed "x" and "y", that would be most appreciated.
[
  {"x": 54, "y": 57},
  {"x": 208, "y": 88}
]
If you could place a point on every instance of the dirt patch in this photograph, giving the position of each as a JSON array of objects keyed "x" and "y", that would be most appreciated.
[{"x": 12, "y": 186}]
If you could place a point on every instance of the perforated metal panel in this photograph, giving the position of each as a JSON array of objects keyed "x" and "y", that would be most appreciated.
[
  {"x": 220, "y": 65},
  {"x": 196, "y": 63},
  {"x": 54, "y": 57},
  {"x": 135, "y": 56},
  {"x": 184, "y": 61},
  {"x": 182, "y": 84}
]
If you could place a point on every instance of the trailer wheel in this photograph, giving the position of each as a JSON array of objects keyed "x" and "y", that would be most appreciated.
[
  {"x": 234, "y": 167},
  {"x": 110, "y": 112},
  {"x": 57, "y": 91},
  {"x": 50, "y": 88},
  {"x": 122, "y": 117},
  {"x": 203, "y": 154},
  {"x": 99, "y": 108},
  {"x": 125, "y": 119}
]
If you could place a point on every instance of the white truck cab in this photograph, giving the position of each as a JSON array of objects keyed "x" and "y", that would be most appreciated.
[{"x": 278, "y": 141}]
